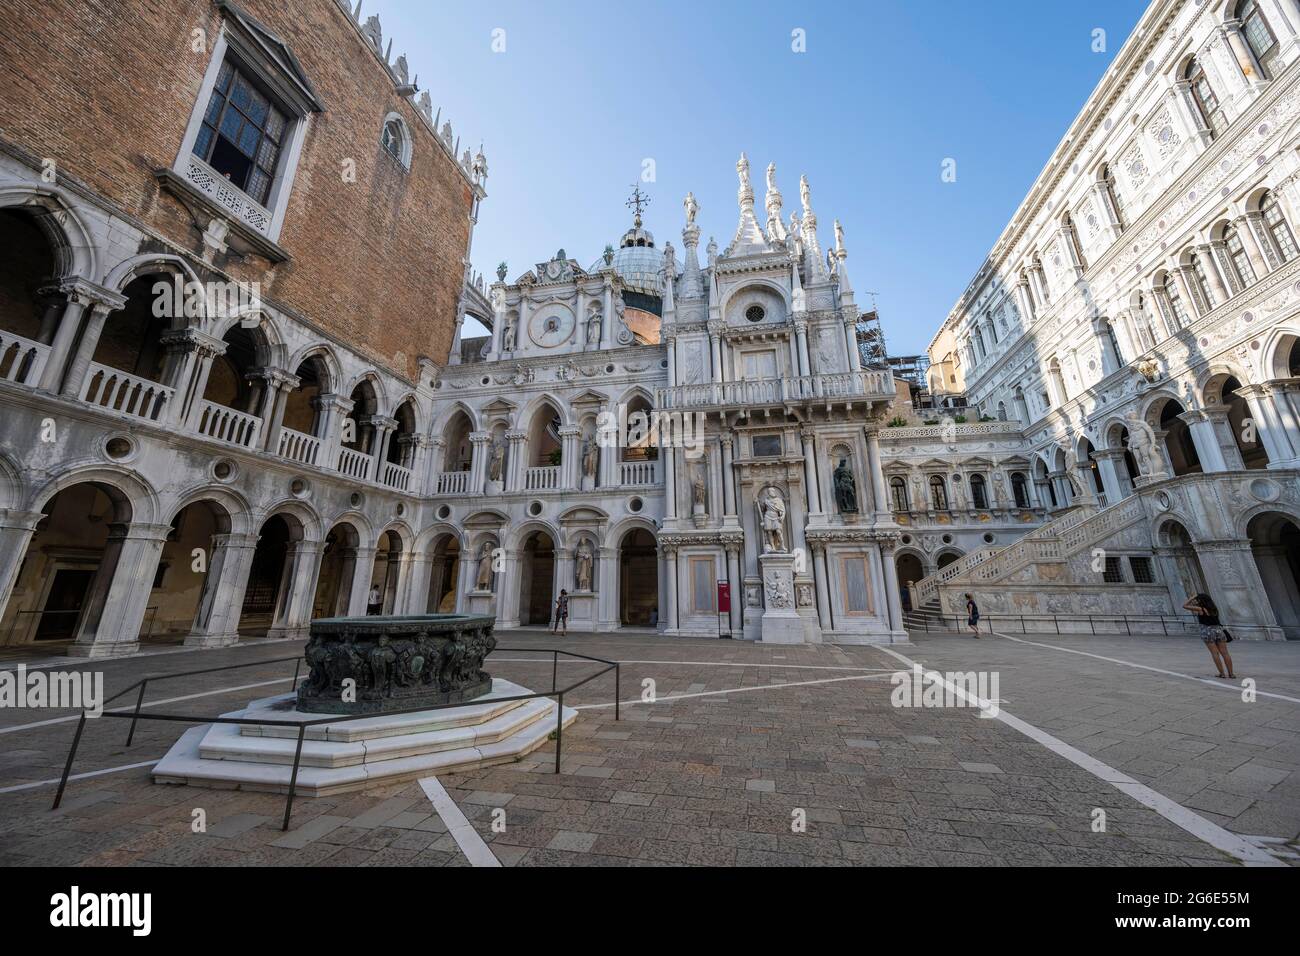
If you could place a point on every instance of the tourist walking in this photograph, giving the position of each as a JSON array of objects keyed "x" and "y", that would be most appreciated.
[
  {"x": 973, "y": 616},
  {"x": 561, "y": 613},
  {"x": 1213, "y": 633}
]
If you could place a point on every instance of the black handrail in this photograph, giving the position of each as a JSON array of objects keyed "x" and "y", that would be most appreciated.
[
  {"x": 923, "y": 619},
  {"x": 302, "y": 725}
]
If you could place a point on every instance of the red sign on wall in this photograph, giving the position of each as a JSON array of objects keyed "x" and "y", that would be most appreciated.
[{"x": 724, "y": 596}]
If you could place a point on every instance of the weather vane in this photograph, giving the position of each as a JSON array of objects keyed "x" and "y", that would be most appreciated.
[{"x": 637, "y": 201}]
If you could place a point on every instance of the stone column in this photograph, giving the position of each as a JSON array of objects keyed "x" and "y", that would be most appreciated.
[
  {"x": 282, "y": 383},
  {"x": 810, "y": 475},
  {"x": 1210, "y": 263},
  {"x": 1287, "y": 405},
  {"x": 1109, "y": 462},
  {"x": 670, "y": 351},
  {"x": 1221, "y": 429},
  {"x": 1110, "y": 362},
  {"x": 851, "y": 343},
  {"x": 216, "y": 620},
  {"x": 333, "y": 410},
  {"x": 893, "y": 597},
  {"x": 736, "y": 616},
  {"x": 114, "y": 609},
  {"x": 728, "y": 477},
  {"x": 1264, "y": 241},
  {"x": 1206, "y": 442},
  {"x": 1279, "y": 447},
  {"x": 293, "y": 605},
  {"x": 878, "y": 492},
  {"x": 465, "y": 580},
  {"x": 1241, "y": 53},
  {"x": 61, "y": 347},
  {"x": 363, "y": 569},
  {"x": 822, "y": 579},
  {"x": 608, "y": 441},
  {"x": 715, "y": 350},
  {"x": 16, "y": 530},
  {"x": 669, "y": 454},
  {"x": 480, "y": 448},
  {"x": 515, "y": 463},
  {"x": 607, "y": 320},
  {"x": 670, "y": 588},
  {"x": 801, "y": 340},
  {"x": 80, "y": 364},
  {"x": 570, "y": 457}
]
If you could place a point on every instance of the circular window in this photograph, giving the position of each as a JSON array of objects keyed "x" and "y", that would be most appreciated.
[
  {"x": 224, "y": 470},
  {"x": 663, "y": 363},
  {"x": 635, "y": 505},
  {"x": 118, "y": 448},
  {"x": 300, "y": 487},
  {"x": 956, "y": 479},
  {"x": 947, "y": 539},
  {"x": 907, "y": 539},
  {"x": 356, "y": 499},
  {"x": 484, "y": 380},
  {"x": 535, "y": 508},
  {"x": 988, "y": 539},
  {"x": 444, "y": 512},
  {"x": 400, "y": 509},
  {"x": 609, "y": 369},
  {"x": 755, "y": 313}
]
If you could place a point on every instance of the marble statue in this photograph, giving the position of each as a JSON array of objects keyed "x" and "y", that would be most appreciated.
[
  {"x": 590, "y": 457},
  {"x": 697, "y": 489},
  {"x": 771, "y": 518},
  {"x": 593, "y": 329},
  {"x": 508, "y": 336},
  {"x": 483, "y": 582},
  {"x": 497, "y": 463},
  {"x": 582, "y": 563},
  {"x": 691, "y": 207},
  {"x": 846, "y": 494}
]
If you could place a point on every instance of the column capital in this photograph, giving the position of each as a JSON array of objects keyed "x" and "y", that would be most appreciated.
[
  {"x": 333, "y": 402},
  {"x": 480, "y": 438},
  {"x": 85, "y": 292}
]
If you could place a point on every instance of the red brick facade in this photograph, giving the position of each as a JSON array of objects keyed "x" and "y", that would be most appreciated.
[{"x": 106, "y": 89}]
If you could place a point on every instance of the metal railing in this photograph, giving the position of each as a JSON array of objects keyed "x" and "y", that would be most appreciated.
[
  {"x": 135, "y": 716},
  {"x": 1167, "y": 625},
  {"x": 26, "y": 621}
]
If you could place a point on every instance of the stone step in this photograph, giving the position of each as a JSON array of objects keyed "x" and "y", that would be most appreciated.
[
  {"x": 281, "y": 707},
  {"x": 184, "y": 764},
  {"x": 225, "y": 742}
]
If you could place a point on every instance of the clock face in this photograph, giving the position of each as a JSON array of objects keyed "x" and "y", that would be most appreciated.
[{"x": 551, "y": 329}]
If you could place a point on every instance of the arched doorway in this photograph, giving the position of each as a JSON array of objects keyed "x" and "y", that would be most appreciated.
[
  {"x": 638, "y": 586},
  {"x": 1175, "y": 542},
  {"x": 27, "y": 263},
  {"x": 266, "y": 574},
  {"x": 910, "y": 570},
  {"x": 545, "y": 451},
  {"x": 184, "y": 568},
  {"x": 444, "y": 575},
  {"x": 946, "y": 558},
  {"x": 1245, "y": 431},
  {"x": 1275, "y": 543},
  {"x": 337, "y": 572},
  {"x": 69, "y": 565},
  {"x": 536, "y": 579},
  {"x": 1179, "y": 445},
  {"x": 381, "y": 596},
  {"x": 1087, "y": 456}
]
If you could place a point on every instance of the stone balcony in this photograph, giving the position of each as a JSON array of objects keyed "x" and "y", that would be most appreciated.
[{"x": 866, "y": 386}]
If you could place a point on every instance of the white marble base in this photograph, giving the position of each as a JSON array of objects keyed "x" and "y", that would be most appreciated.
[
  {"x": 781, "y": 621},
  {"x": 352, "y": 755}
]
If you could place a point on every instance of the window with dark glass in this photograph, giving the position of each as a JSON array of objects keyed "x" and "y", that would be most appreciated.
[
  {"x": 938, "y": 494},
  {"x": 1141, "y": 568},
  {"x": 1238, "y": 257},
  {"x": 1202, "y": 280},
  {"x": 242, "y": 133},
  {"x": 1207, "y": 104},
  {"x": 978, "y": 493},
  {"x": 1259, "y": 37},
  {"x": 898, "y": 488},
  {"x": 1112, "y": 195},
  {"x": 1019, "y": 489},
  {"x": 1277, "y": 227},
  {"x": 1114, "y": 571},
  {"x": 1175, "y": 300},
  {"x": 391, "y": 139},
  {"x": 767, "y": 446}
]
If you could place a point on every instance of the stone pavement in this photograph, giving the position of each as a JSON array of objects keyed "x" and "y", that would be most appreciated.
[{"x": 749, "y": 755}]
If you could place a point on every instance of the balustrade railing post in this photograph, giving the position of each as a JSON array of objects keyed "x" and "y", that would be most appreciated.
[{"x": 138, "y": 701}]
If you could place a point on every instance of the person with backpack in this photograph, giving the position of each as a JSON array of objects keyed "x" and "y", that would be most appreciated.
[
  {"x": 562, "y": 613},
  {"x": 1213, "y": 633}
]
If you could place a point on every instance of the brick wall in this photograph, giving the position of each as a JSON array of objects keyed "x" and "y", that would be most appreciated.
[{"x": 106, "y": 89}]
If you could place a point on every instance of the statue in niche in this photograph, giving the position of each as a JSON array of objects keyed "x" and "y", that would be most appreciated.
[
  {"x": 483, "y": 582},
  {"x": 698, "y": 493},
  {"x": 508, "y": 336},
  {"x": 590, "y": 457},
  {"x": 593, "y": 328},
  {"x": 846, "y": 493},
  {"x": 582, "y": 565},
  {"x": 496, "y": 464},
  {"x": 771, "y": 518},
  {"x": 694, "y": 371}
]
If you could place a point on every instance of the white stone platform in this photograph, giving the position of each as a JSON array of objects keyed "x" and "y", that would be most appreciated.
[{"x": 354, "y": 754}]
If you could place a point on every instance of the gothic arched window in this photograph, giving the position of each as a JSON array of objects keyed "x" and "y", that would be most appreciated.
[
  {"x": 938, "y": 493},
  {"x": 1238, "y": 258},
  {"x": 1112, "y": 194},
  {"x": 898, "y": 490},
  {"x": 1259, "y": 37},
  {"x": 1019, "y": 490},
  {"x": 1207, "y": 104},
  {"x": 1278, "y": 230},
  {"x": 978, "y": 492}
]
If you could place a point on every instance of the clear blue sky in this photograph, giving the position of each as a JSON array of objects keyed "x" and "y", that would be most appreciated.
[{"x": 883, "y": 94}]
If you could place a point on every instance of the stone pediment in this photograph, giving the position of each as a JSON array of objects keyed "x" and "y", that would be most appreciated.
[
  {"x": 589, "y": 397},
  {"x": 500, "y": 408},
  {"x": 583, "y": 515},
  {"x": 487, "y": 518},
  {"x": 560, "y": 268}
]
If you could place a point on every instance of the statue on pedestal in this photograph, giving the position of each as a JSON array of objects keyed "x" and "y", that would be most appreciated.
[
  {"x": 771, "y": 518},
  {"x": 483, "y": 582},
  {"x": 582, "y": 566},
  {"x": 590, "y": 458},
  {"x": 496, "y": 464}
]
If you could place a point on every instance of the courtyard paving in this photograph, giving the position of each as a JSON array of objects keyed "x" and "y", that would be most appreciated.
[{"x": 728, "y": 753}]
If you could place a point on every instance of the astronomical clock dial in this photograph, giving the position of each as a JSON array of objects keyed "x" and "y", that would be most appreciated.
[{"x": 551, "y": 330}]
